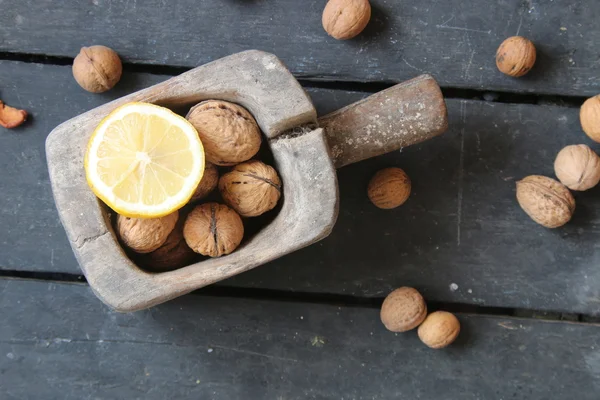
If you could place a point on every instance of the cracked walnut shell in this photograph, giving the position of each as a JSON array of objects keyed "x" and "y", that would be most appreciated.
[
  {"x": 516, "y": 56},
  {"x": 11, "y": 117},
  {"x": 251, "y": 188},
  {"x": 345, "y": 19},
  {"x": 577, "y": 167},
  {"x": 546, "y": 201},
  {"x": 229, "y": 133},
  {"x": 403, "y": 309},
  {"x": 97, "y": 68},
  {"x": 213, "y": 230},
  {"x": 439, "y": 329},
  {"x": 148, "y": 234},
  {"x": 389, "y": 188}
]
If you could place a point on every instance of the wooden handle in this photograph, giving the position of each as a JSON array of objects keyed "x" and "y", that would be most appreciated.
[{"x": 403, "y": 115}]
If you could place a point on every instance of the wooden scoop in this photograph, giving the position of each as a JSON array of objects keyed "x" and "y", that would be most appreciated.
[{"x": 306, "y": 151}]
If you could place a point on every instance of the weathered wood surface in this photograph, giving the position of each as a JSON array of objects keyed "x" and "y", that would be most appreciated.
[
  {"x": 252, "y": 79},
  {"x": 455, "y": 40},
  {"x": 462, "y": 224},
  {"x": 32, "y": 236},
  {"x": 403, "y": 115},
  {"x": 219, "y": 348},
  {"x": 487, "y": 246}
]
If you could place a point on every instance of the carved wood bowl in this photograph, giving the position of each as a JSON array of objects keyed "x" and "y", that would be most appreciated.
[{"x": 262, "y": 84}]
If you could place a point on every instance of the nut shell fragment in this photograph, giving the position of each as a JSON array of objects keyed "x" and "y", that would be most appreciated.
[{"x": 11, "y": 117}]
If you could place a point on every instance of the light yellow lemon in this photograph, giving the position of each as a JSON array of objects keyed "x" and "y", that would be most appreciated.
[{"x": 144, "y": 161}]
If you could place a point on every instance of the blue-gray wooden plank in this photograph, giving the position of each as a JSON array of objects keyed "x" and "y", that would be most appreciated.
[
  {"x": 58, "y": 341},
  {"x": 455, "y": 40},
  {"x": 462, "y": 224},
  {"x": 32, "y": 237}
]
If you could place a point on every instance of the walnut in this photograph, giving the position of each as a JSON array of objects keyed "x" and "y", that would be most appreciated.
[
  {"x": 516, "y": 56},
  {"x": 345, "y": 19},
  {"x": 389, "y": 188},
  {"x": 173, "y": 254},
  {"x": 97, "y": 68},
  {"x": 403, "y": 309},
  {"x": 251, "y": 188},
  {"x": 439, "y": 329},
  {"x": 546, "y": 201},
  {"x": 146, "y": 235},
  {"x": 209, "y": 182},
  {"x": 213, "y": 230},
  {"x": 11, "y": 117},
  {"x": 577, "y": 167},
  {"x": 590, "y": 118},
  {"x": 229, "y": 133}
]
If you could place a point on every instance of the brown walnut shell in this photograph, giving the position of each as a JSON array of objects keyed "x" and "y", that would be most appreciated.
[
  {"x": 97, "y": 68},
  {"x": 439, "y": 329},
  {"x": 403, "y": 309},
  {"x": 589, "y": 116},
  {"x": 516, "y": 56},
  {"x": 148, "y": 234},
  {"x": 251, "y": 188},
  {"x": 345, "y": 19},
  {"x": 546, "y": 201},
  {"x": 173, "y": 254},
  {"x": 577, "y": 167},
  {"x": 389, "y": 188},
  {"x": 213, "y": 230},
  {"x": 209, "y": 182},
  {"x": 229, "y": 133}
]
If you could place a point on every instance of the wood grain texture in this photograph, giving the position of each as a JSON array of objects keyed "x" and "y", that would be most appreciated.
[
  {"x": 462, "y": 224},
  {"x": 33, "y": 238},
  {"x": 219, "y": 348},
  {"x": 502, "y": 259},
  {"x": 454, "y": 40},
  {"x": 253, "y": 79},
  {"x": 404, "y": 115}
]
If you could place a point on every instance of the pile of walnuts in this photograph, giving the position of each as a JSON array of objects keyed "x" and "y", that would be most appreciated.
[
  {"x": 405, "y": 309},
  {"x": 248, "y": 188},
  {"x": 549, "y": 202}
]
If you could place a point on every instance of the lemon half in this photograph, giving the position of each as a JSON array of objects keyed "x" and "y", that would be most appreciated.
[{"x": 144, "y": 161}]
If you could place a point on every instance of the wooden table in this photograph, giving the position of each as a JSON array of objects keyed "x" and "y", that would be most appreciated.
[{"x": 307, "y": 325}]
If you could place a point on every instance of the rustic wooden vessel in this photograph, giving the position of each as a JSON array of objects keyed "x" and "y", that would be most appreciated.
[{"x": 307, "y": 151}]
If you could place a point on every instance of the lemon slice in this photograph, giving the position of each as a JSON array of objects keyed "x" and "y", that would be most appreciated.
[{"x": 144, "y": 161}]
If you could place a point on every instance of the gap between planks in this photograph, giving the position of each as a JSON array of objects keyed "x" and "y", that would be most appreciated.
[
  {"x": 346, "y": 301},
  {"x": 327, "y": 83},
  {"x": 324, "y": 299}
]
